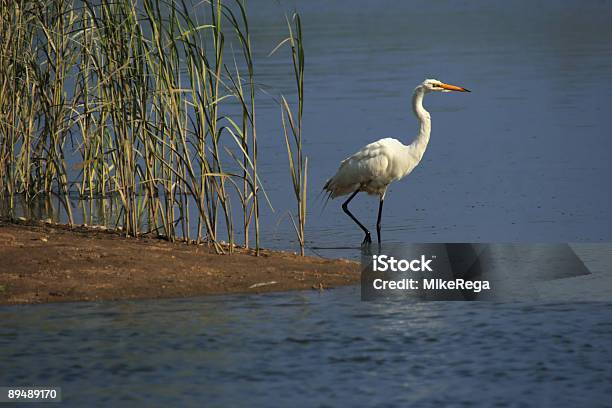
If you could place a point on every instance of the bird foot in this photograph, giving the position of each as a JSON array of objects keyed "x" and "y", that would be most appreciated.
[{"x": 367, "y": 240}]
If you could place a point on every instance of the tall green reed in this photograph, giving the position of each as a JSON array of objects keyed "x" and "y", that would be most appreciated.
[{"x": 292, "y": 129}]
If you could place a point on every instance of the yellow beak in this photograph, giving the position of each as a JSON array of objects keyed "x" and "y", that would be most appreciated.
[{"x": 454, "y": 88}]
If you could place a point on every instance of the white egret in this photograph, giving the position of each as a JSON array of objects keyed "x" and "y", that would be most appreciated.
[{"x": 378, "y": 164}]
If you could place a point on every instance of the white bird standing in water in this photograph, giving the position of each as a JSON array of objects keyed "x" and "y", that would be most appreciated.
[{"x": 378, "y": 164}]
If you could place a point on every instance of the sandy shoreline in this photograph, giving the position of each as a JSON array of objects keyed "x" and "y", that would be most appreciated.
[{"x": 42, "y": 263}]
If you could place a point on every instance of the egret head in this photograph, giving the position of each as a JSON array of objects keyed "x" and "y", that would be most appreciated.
[{"x": 430, "y": 85}]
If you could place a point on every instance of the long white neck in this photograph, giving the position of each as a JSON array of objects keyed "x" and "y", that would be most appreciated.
[{"x": 420, "y": 142}]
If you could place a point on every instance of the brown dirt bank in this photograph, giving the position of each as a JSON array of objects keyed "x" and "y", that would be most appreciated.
[{"x": 51, "y": 263}]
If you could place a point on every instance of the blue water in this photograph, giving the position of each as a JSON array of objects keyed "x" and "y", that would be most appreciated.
[
  {"x": 311, "y": 349},
  {"x": 524, "y": 157}
]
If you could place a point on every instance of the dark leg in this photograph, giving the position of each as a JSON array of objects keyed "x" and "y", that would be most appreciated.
[
  {"x": 368, "y": 237},
  {"x": 378, "y": 223}
]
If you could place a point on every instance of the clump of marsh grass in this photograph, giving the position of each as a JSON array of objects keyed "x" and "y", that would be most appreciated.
[
  {"x": 36, "y": 114},
  {"x": 126, "y": 101}
]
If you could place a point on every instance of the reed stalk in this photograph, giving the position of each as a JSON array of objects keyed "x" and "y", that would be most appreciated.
[{"x": 292, "y": 129}]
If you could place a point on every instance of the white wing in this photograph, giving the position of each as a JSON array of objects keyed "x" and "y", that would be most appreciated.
[{"x": 371, "y": 169}]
